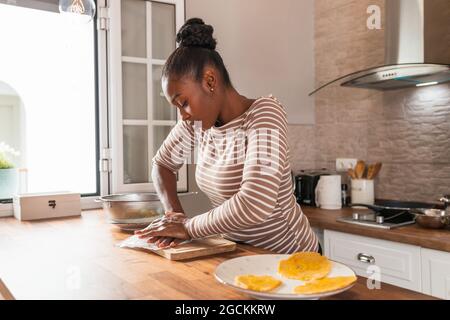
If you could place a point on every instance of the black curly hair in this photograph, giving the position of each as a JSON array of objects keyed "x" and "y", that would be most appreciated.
[{"x": 196, "y": 50}]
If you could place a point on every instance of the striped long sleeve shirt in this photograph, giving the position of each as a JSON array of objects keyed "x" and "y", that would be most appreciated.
[{"x": 243, "y": 167}]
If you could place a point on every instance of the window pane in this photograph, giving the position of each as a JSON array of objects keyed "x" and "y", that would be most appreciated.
[
  {"x": 135, "y": 154},
  {"x": 163, "y": 30},
  {"x": 10, "y": 141},
  {"x": 162, "y": 110},
  {"x": 159, "y": 135},
  {"x": 134, "y": 26},
  {"x": 134, "y": 83},
  {"x": 49, "y": 64}
]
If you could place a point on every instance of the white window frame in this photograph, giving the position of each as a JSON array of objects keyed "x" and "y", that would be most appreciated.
[
  {"x": 116, "y": 60},
  {"x": 89, "y": 202},
  {"x": 103, "y": 102}
]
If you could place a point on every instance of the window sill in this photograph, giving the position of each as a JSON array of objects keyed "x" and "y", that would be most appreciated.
[
  {"x": 87, "y": 203},
  {"x": 6, "y": 210}
]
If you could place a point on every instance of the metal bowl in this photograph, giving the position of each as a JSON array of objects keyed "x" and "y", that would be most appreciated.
[
  {"x": 134, "y": 208},
  {"x": 433, "y": 218}
]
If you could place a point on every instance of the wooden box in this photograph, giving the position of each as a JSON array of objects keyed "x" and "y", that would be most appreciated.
[{"x": 35, "y": 206}]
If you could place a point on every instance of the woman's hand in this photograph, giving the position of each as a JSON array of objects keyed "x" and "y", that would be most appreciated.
[{"x": 168, "y": 231}]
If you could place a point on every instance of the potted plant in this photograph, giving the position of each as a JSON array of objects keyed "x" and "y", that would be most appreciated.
[{"x": 8, "y": 173}]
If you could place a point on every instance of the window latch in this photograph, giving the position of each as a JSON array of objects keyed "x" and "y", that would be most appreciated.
[
  {"x": 103, "y": 18},
  {"x": 105, "y": 160}
]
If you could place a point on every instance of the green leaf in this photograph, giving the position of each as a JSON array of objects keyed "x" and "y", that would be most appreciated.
[{"x": 5, "y": 163}]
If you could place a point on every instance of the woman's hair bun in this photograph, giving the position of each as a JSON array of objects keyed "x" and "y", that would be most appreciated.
[{"x": 195, "y": 33}]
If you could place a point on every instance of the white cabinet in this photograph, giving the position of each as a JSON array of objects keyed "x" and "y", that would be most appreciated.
[
  {"x": 398, "y": 264},
  {"x": 436, "y": 273},
  {"x": 407, "y": 266},
  {"x": 320, "y": 235}
]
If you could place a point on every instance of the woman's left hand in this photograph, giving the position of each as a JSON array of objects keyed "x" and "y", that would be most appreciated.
[{"x": 168, "y": 231}]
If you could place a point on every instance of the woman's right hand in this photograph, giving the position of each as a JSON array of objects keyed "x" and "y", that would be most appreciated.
[
  {"x": 168, "y": 242},
  {"x": 165, "y": 242}
]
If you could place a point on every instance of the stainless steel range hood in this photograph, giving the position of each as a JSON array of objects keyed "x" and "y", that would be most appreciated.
[{"x": 417, "y": 48}]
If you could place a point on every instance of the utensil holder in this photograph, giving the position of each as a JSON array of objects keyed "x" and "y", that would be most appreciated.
[{"x": 363, "y": 191}]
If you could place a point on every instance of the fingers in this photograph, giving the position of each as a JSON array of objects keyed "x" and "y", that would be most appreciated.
[
  {"x": 160, "y": 222},
  {"x": 153, "y": 233},
  {"x": 144, "y": 233},
  {"x": 175, "y": 242},
  {"x": 164, "y": 242},
  {"x": 156, "y": 222},
  {"x": 157, "y": 229},
  {"x": 165, "y": 229},
  {"x": 153, "y": 239}
]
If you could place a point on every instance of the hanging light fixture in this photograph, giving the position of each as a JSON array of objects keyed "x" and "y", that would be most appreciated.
[{"x": 83, "y": 10}]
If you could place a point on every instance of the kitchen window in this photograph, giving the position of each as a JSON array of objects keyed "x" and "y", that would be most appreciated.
[
  {"x": 48, "y": 101},
  {"x": 89, "y": 111}
]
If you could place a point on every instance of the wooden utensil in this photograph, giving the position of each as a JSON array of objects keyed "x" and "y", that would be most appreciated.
[
  {"x": 376, "y": 169},
  {"x": 351, "y": 173},
  {"x": 359, "y": 169},
  {"x": 370, "y": 170}
]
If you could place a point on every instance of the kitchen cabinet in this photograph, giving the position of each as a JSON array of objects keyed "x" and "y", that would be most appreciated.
[
  {"x": 397, "y": 263},
  {"x": 436, "y": 273},
  {"x": 407, "y": 266},
  {"x": 320, "y": 236}
]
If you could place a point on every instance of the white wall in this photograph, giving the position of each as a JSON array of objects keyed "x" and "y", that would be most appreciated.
[
  {"x": 6, "y": 89},
  {"x": 267, "y": 46}
]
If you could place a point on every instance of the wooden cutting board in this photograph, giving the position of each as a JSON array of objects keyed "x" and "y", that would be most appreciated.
[
  {"x": 198, "y": 248},
  {"x": 4, "y": 292}
]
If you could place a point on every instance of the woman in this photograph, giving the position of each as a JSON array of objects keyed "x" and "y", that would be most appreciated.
[{"x": 243, "y": 156}]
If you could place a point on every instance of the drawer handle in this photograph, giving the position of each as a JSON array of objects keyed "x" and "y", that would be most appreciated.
[{"x": 366, "y": 258}]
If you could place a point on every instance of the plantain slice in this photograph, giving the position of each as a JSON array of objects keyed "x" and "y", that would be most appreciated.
[
  {"x": 257, "y": 283},
  {"x": 305, "y": 266},
  {"x": 324, "y": 285}
]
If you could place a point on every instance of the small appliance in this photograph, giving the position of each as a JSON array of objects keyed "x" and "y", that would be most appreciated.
[{"x": 305, "y": 185}]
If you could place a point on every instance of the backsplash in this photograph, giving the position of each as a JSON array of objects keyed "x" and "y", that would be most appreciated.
[
  {"x": 301, "y": 143},
  {"x": 408, "y": 130}
]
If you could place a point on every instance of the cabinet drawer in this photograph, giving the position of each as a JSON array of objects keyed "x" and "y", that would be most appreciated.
[
  {"x": 319, "y": 234},
  {"x": 436, "y": 273},
  {"x": 399, "y": 264}
]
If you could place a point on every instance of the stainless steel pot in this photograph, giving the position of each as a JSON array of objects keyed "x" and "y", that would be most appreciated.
[
  {"x": 432, "y": 218},
  {"x": 139, "y": 208}
]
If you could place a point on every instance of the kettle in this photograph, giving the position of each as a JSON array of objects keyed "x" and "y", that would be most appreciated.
[{"x": 328, "y": 192}]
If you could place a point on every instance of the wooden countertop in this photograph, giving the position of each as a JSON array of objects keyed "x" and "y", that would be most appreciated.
[
  {"x": 76, "y": 258},
  {"x": 437, "y": 239}
]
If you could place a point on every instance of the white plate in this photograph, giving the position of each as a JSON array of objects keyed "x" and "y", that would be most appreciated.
[{"x": 267, "y": 264}]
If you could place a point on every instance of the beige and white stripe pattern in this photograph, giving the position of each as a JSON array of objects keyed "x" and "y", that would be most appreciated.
[{"x": 243, "y": 167}]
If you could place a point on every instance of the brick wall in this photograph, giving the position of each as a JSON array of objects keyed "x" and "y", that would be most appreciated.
[{"x": 408, "y": 130}]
